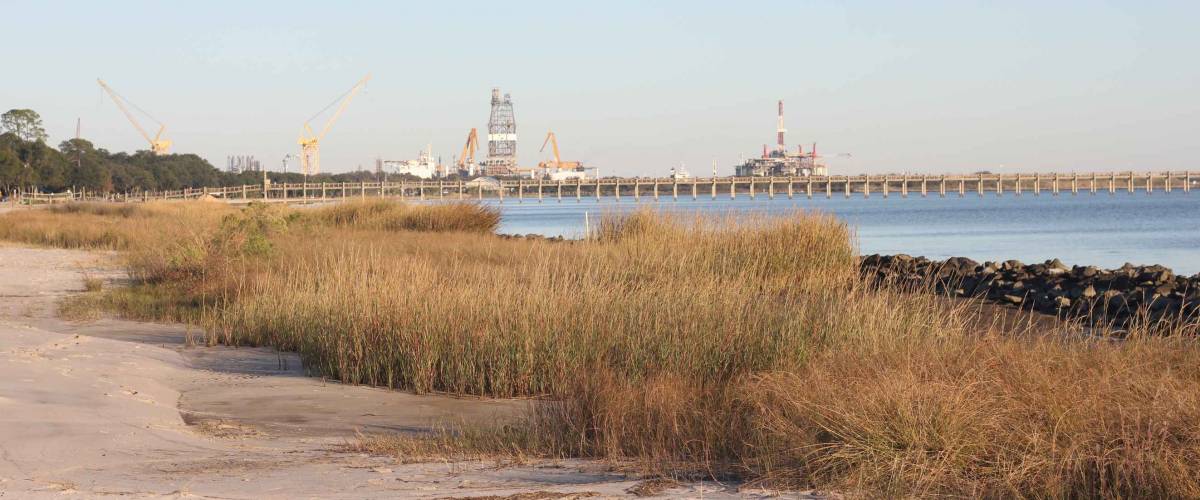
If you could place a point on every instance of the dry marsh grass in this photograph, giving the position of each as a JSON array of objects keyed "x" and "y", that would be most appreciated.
[
  {"x": 993, "y": 417},
  {"x": 749, "y": 350},
  {"x": 474, "y": 314},
  {"x": 109, "y": 226},
  {"x": 391, "y": 216}
]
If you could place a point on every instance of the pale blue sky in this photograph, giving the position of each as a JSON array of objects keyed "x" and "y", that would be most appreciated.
[{"x": 631, "y": 87}]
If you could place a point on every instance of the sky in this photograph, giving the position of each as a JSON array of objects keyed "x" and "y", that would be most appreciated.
[{"x": 630, "y": 87}]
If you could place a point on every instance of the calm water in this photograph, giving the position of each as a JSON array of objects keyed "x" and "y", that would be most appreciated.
[{"x": 1102, "y": 229}]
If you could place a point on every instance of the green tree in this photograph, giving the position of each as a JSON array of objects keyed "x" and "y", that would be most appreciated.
[
  {"x": 11, "y": 171},
  {"x": 24, "y": 123},
  {"x": 85, "y": 167}
]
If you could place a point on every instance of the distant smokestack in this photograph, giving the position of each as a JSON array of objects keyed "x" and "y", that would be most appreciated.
[{"x": 780, "y": 146}]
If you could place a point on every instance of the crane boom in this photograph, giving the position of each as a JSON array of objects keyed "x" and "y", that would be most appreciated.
[
  {"x": 550, "y": 138},
  {"x": 310, "y": 143},
  {"x": 158, "y": 145},
  {"x": 468, "y": 153},
  {"x": 342, "y": 107},
  {"x": 558, "y": 164}
]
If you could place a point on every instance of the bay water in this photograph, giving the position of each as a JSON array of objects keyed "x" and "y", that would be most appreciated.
[{"x": 1105, "y": 230}]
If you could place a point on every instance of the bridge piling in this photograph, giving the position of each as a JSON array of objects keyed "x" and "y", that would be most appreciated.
[
  {"x": 695, "y": 188},
  {"x": 617, "y": 191},
  {"x": 636, "y": 185},
  {"x": 674, "y": 191}
]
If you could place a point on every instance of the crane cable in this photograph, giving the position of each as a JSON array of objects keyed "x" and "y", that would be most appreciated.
[
  {"x": 330, "y": 105},
  {"x": 135, "y": 106}
]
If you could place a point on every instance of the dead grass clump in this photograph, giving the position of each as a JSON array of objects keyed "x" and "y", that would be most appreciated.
[
  {"x": 92, "y": 284},
  {"x": 389, "y": 215}
]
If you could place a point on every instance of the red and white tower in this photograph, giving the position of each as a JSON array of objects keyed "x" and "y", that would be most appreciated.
[{"x": 780, "y": 130}]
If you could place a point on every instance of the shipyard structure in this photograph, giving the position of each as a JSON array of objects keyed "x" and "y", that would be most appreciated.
[
  {"x": 780, "y": 162},
  {"x": 501, "y": 138}
]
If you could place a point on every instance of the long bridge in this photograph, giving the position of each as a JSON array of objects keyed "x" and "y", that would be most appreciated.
[{"x": 655, "y": 189}]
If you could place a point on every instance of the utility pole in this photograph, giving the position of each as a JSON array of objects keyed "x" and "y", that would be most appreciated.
[{"x": 78, "y": 157}]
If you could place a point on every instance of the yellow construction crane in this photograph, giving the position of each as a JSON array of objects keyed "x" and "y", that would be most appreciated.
[
  {"x": 466, "y": 161},
  {"x": 558, "y": 164},
  {"x": 158, "y": 145},
  {"x": 310, "y": 143}
]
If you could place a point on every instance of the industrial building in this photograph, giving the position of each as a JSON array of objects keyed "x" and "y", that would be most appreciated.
[
  {"x": 424, "y": 167},
  {"x": 242, "y": 163},
  {"x": 782, "y": 163}
]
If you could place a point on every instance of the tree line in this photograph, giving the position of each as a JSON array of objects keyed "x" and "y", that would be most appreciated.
[{"x": 28, "y": 163}]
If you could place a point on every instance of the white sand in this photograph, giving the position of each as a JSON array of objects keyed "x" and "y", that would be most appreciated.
[{"x": 123, "y": 408}]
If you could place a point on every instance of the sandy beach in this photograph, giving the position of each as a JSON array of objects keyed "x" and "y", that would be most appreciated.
[{"x": 119, "y": 408}]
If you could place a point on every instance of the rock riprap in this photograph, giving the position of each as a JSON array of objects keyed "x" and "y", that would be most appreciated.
[{"x": 1149, "y": 294}]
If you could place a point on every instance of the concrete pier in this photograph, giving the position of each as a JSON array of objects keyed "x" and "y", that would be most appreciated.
[{"x": 1148, "y": 182}]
